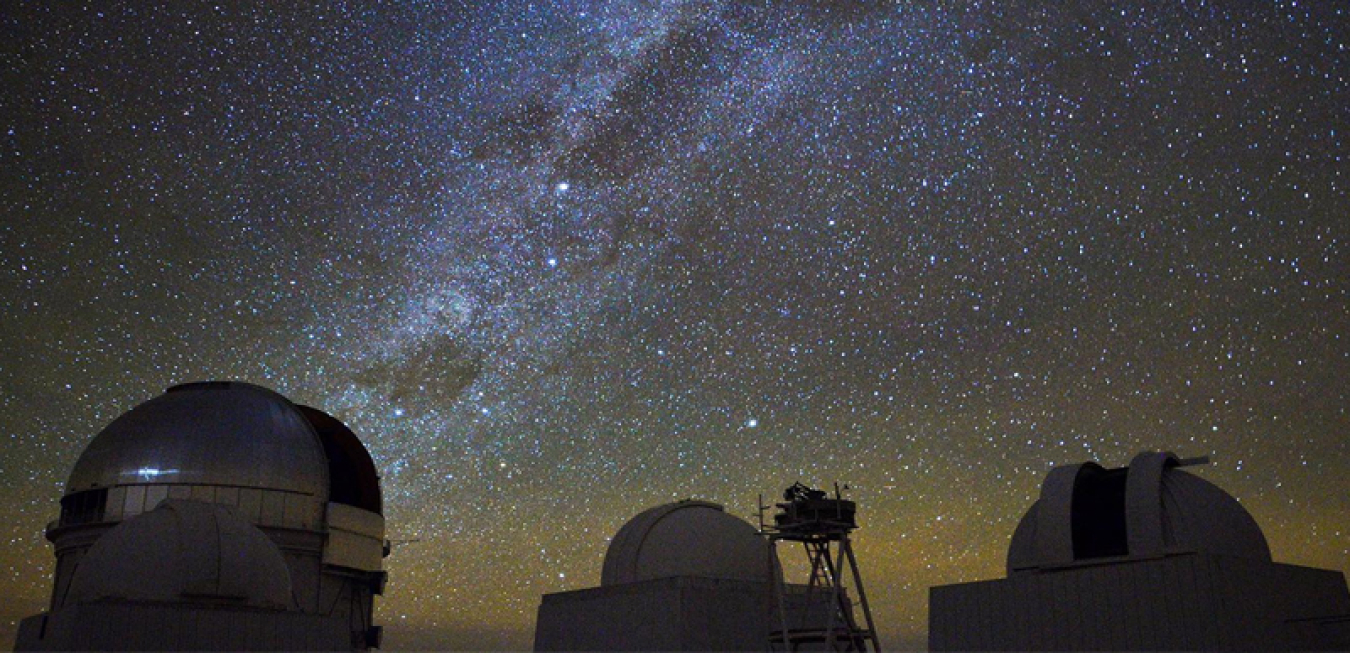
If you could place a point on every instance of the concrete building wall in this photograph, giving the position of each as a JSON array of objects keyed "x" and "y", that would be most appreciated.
[
  {"x": 148, "y": 627},
  {"x": 1178, "y": 602},
  {"x": 682, "y": 613}
]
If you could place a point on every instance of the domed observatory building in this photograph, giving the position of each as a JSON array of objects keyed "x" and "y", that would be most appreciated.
[
  {"x": 1144, "y": 557},
  {"x": 216, "y": 516},
  {"x": 683, "y": 576}
]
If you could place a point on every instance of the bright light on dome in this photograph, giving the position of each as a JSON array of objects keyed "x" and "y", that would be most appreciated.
[{"x": 154, "y": 471}]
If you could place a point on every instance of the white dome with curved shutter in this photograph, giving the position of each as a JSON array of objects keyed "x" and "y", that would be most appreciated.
[{"x": 1149, "y": 508}]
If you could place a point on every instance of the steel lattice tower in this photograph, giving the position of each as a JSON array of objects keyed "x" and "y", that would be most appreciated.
[{"x": 819, "y": 612}]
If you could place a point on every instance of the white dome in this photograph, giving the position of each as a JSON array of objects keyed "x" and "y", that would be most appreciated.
[
  {"x": 688, "y": 538},
  {"x": 184, "y": 551},
  {"x": 216, "y": 433},
  {"x": 1149, "y": 508}
]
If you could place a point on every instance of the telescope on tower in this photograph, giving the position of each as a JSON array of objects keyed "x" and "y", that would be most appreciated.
[{"x": 818, "y": 612}]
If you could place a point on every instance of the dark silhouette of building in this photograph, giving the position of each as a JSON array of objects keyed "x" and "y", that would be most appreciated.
[
  {"x": 216, "y": 516},
  {"x": 1144, "y": 557}
]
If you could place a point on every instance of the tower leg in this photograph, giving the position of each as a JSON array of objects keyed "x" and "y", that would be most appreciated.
[
  {"x": 779, "y": 589},
  {"x": 862, "y": 595}
]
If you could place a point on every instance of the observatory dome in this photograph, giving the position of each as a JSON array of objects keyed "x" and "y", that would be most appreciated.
[
  {"x": 184, "y": 551},
  {"x": 1149, "y": 508},
  {"x": 207, "y": 434},
  {"x": 687, "y": 538}
]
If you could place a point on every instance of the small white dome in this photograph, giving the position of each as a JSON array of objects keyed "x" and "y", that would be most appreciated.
[
  {"x": 184, "y": 551},
  {"x": 1149, "y": 508},
  {"x": 688, "y": 538}
]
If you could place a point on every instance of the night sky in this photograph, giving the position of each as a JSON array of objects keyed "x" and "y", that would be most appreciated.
[{"x": 557, "y": 262}]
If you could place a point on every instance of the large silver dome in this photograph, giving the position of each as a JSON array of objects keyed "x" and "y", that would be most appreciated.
[
  {"x": 255, "y": 520},
  {"x": 225, "y": 434}
]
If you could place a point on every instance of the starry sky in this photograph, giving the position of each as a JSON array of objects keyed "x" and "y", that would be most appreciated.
[{"x": 556, "y": 262}]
